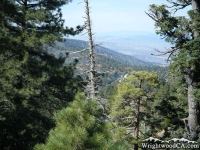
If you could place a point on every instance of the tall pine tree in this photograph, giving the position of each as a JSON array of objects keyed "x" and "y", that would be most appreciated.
[
  {"x": 183, "y": 33},
  {"x": 131, "y": 107},
  {"x": 33, "y": 83}
]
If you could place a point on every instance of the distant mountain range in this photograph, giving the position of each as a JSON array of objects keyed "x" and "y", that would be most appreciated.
[
  {"x": 140, "y": 45},
  {"x": 111, "y": 63},
  {"x": 76, "y": 45}
]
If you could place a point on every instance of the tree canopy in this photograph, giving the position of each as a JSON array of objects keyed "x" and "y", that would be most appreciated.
[
  {"x": 79, "y": 127},
  {"x": 183, "y": 33},
  {"x": 33, "y": 83}
]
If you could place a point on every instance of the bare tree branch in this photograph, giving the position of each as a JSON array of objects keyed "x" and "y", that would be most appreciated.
[
  {"x": 151, "y": 16},
  {"x": 179, "y": 5},
  {"x": 78, "y": 51},
  {"x": 168, "y": 51}
]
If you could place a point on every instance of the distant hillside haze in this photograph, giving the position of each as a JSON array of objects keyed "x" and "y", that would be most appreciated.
[
  {"x": 141, "y": 45},
  {"x": 112, "y": 64},
  {"x": 76, "y": 45}
]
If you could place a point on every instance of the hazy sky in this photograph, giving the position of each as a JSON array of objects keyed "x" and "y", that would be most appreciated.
[{"x": 113, "y": 15}]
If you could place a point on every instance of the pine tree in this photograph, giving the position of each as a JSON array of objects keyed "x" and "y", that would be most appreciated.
[
  {"x": 183, "y": 33},
  {"x": 33, "y": 83},
  {"x": 169, "y": 109},
  {"x": 130, "y": 103},
  {"x": 78, "y": 127}
]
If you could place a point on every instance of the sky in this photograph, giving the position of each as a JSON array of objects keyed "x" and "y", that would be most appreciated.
[{"x": 113, "y": 15}]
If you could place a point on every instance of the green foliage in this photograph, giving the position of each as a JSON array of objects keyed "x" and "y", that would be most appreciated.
[
  {"x": 108, "y": 91},
  {"x": 137, "y": 86},
  {"x": 161, "y": 112},
  {"x": 31, "y": 91},
  {"x": 170, "y": 106},
  {"x": 33, "y": 83},
  {"x": 139, "y": 77},
  {"x": 187, "y": 61},
  {"x": 112, "y": 68},
  {"x": 111, "y": 79},
  {"x": 173, "y": 29},
  {"x": 78, "y": 127},
  {"x": 183, "y": 32}
]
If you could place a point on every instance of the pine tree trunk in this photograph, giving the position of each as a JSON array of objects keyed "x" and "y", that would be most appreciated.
[
  {"x": 137, "y": 123},
  {"x": 196, "y": 8},
  {"x": 193, "y": 111},
  {"x": 192, "y": 104},
  {"x": 196, "y": 5}
]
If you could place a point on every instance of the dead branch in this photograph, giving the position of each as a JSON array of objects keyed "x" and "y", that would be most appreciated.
[
  {"x": 78, "y": 51},
  {"x": 152, "y": 16},
  {"x": 168, "y": 51},
  {"x": 179, "y": 5}
]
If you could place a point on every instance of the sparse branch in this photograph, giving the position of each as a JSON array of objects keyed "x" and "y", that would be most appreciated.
[
  {"x": 83, "y": 34},
  {"x": 152, "y": 16},
  {"x": 78, "y": 51},
  {"x": 19, "y": 2},
  {"x": 168, "y": 51},
  {"x": 179, "y": 5},
  {"x": 182, "y": 4}
]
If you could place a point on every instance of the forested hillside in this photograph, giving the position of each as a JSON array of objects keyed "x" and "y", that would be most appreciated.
[
  {"x": 64, "y": 94},
  {"x": 75, "y": 45},
  {"x": 111, "y": 64}
]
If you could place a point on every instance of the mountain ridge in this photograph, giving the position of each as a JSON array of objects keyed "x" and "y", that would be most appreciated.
[
  {"x": 140, "y": 45},
  {"x": 76, "y": 45}
]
